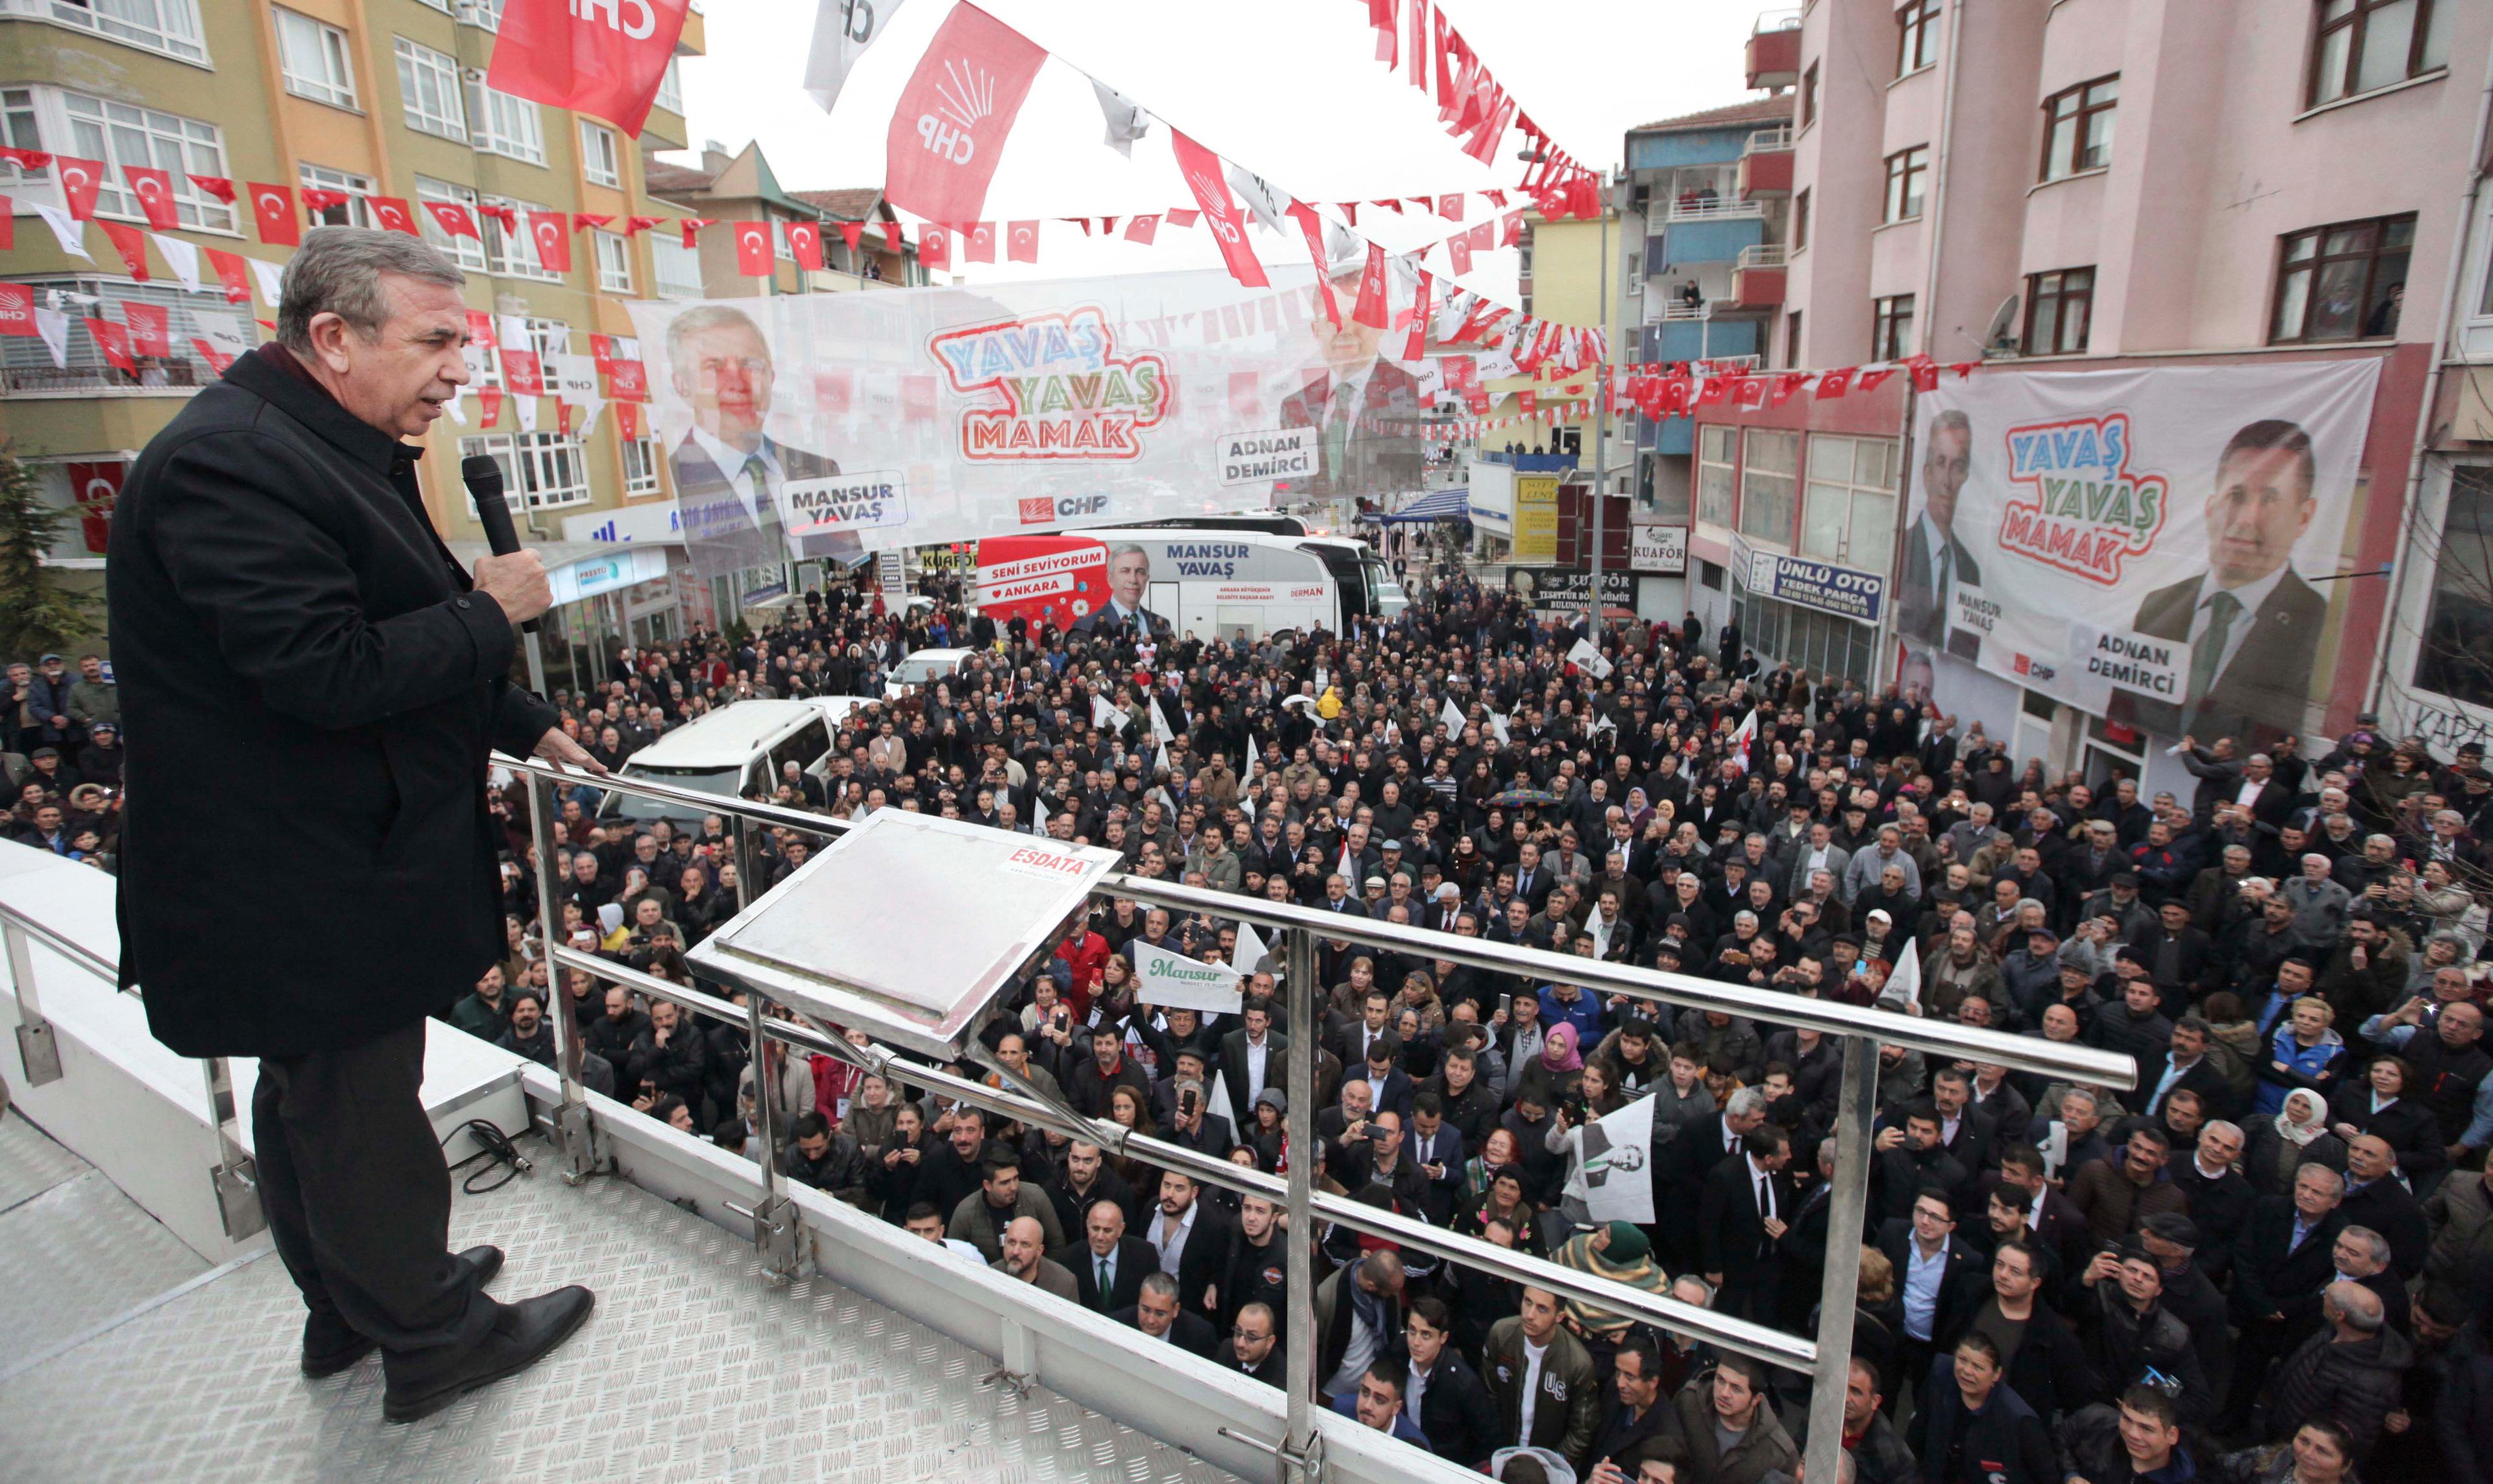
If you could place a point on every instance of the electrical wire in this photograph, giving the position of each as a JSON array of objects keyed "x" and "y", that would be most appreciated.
[{"x": 495, "y": 1145}]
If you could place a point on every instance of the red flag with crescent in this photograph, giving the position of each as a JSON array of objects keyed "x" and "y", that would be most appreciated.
[
  {"x": 1021, "y": 242},
  {"x": 551, "y": 232},
  {"x": 231, "y": 273},
  {"x": 454, "y": 220},
  {"x": 273, "y": 208},
  {"x": 155, "y": 191},
  {"x": 131, "y": 244},
  {"x": 80, "y": 179},
  {"x": 805, "y": 245},
  {"x": 753, "y": 248},
  {"x": 392, "y": 214}
]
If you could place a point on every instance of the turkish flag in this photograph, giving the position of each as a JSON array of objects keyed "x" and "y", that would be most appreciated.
[
  {"x": 629, "y": 381},
  {"x": 948, "y": 129},
  {"x": 508, "y": 216},
  {"x": 1832, "y": 384},
  {"x": 632, "y": 225},
  {"x": 1868, "y": 381},
  {"x": 605, "y": 57},
  {"x": 489, "y": 398},
  {"x": 1371, "y": 309},
  {"x": 1179, "y": 215},
  {"x": 391, "y": 213},
  {"x": 692, "y": 226},
  {"x": 581, "y": 220},
  {"x": 851, "y": 233},
  {"x": 216, "y": 359},
  {"x": 26, "y": 158},
  {"x": 1925, "y": 373},
  {"x": 1021, "y": 242},
  {"x": 231, "y": 273},
  {"x": 454, "y": 220},
  {"x": 114, "y": 342},
  {"x": 315, "y": 199},
  {"x": 222, "y": 186},
  {"x": 753, "y": 248},
  {"x": 982, "y": 244},
  {"x": 1459, "y": 248},
  {"x": 1203, "y": 176},
  {"x": 155, "y": 191},
  {"x": 522, "y": 372},
  {"x": 1451, "y": 206},
  {"x": 1142, "y": 229},
  {"x": 17, "y": 310},
  {"x": 480, "y": 329},
  {"x": 934, "y": 243},
  {"x": 96, "y": 487},
  {"x": 80, "y": 179},
  {"x": 131, "y": 244},
  {"x": 151, "y": 330},
  {"x": 805, "y": 245},
  {"x": 273, "y": 207},
  {"x": 891, "y": 237},
  {"x": 1514, "y": 229},
  {"x": 550, "y": 231},
  {"x": 627, "y": 420}
]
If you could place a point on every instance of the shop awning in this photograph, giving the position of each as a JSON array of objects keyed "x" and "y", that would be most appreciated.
[{"x": 1450, "y": 504}]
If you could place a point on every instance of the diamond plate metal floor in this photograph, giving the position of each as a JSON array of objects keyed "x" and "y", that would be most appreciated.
[
  {"x": 78, "y": 1251},
  {"x": 691, "y": 1370}
]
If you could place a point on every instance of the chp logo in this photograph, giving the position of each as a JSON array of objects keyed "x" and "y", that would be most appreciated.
[
  {"x": 1043, "y": 510},
  {"x": 642, "y": 22},
  {"x": 965, "y": 98}
]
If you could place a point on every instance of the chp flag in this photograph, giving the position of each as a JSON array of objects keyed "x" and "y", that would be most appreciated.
[
  {"x": 948, "y": 129},
  {"x": 603, "y": 57}
]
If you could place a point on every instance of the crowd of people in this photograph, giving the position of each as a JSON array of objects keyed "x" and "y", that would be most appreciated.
[{"x": 2270, "y": 1260}]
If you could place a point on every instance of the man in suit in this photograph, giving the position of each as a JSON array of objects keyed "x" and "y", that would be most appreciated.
[
  {"x": 2252, "y": 624},
  {"x": 1741, "y": 1222},
  {"x": 1936, "y": 559},
  {"x": 1129, "y": 579},
  {"x": 1445, "y": 1396},
  {"x": 1349, "y": 399},
  {"x": 1681, "y": 1166},
  {"x": 282, "y": 609},
  {"x": 732, "y": 477},
  {"x": 1155, "y": 1311},
  {"x": 1252, "y": 1059},
  {"x": 1108, "y": 1265},
  {"x": 1932, "y": 1285},
  {"x": 1191, "y": 1239},
  {"x": 2286, "y": 1254},
  {"x": 1253, "y": 1346}
]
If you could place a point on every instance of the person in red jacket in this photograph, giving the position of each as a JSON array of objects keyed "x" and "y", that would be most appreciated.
[{"x": 1083, "y": 955}]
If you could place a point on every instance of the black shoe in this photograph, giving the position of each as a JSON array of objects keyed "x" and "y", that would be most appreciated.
[
  {"x": 330, "y": 1347},
  {"x": 523, "y": 1334}
]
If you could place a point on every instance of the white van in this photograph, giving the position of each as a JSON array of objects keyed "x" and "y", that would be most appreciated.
[
  {"x": 727, "y": 752},
  {"x": 926, "y": 668}
]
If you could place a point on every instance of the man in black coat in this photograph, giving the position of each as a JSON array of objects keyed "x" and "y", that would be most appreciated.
[
  {"x": 1253, "y": 1346},
  {"x": 1106, "y": 1251},
  {"x": 1741, "y": 1220},
  {"x": 1155, "y": 1313},
  {"x": 303, "y": 664},
  {"x": 1452, "y": 1401}
]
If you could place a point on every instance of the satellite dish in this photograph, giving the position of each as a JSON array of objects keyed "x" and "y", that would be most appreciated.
[{"x": 2002, "y": 334}]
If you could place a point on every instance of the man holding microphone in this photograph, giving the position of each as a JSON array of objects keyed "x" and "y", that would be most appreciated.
[{"x": 306, "y": 671}]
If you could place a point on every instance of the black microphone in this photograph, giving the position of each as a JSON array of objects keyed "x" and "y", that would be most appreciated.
[{"x": 484, "y": 480}]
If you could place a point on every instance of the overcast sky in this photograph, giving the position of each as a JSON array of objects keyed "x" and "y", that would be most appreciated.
[{"x": 1288, "y": 88}]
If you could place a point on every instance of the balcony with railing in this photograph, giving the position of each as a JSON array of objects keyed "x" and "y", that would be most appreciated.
[
  {"x": 1757, "y": 275},
  {"x": 1774, "y": 50},
  {"x": 1766, "y": 165}
]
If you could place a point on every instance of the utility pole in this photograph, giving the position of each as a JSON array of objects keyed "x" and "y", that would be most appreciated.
[{"x": 1600, "y": 425}]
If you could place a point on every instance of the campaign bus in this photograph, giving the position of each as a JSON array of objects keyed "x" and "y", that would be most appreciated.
[{"x": 1207, "y": 580}]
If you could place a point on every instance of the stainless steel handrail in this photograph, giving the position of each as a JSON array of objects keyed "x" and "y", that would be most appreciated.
[{"x": 1944, "y": 1038}]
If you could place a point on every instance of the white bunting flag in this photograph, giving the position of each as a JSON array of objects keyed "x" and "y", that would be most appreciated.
[
  {"x": 270, "y": 277},
  {"x": 843, "y": 29},
  {"x": 1160, "y": 732},
  {"x": 1251, "y": 952},
  {"x": 1251, "y": 759},
  {"x": 1497, "y": 724},
  {"x": 1589, "y": 659},
  {"x": 54, "y": 327},
  {"x": 1905, "y": 980},
  {"x": 1104, "y": 714},
  {"x": 72, "y": 235},
  {"x": 1453, "y": 717},
  {"x": 1741, "y": 741},
  {"x": 181, "y": 257},
  {"x": 1126, "y": 121},
  {"x": 527, "y": 413},
  {"x": 1172, "y": 979}
]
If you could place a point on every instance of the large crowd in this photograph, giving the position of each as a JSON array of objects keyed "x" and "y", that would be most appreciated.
[{"x": 2268, "y": 1261}]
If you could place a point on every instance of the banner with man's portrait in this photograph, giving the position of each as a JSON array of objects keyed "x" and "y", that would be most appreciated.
[
  {"x": 836, "y": 425},
  {"x": 2150, "y": 546}
]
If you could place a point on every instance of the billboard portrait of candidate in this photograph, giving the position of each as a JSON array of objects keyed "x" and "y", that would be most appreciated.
[
  {"x": 2149, "y": 544},
  {"x": 1362, "y": 405},
  {"x": 731, "y": 475},
  {"x": 1129, "y": 579}
]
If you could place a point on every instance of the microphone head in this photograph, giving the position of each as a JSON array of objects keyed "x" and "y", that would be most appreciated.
[{"x": 479, "y": 471}]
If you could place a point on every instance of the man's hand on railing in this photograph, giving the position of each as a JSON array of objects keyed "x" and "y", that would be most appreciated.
[{"x": 558, "y": 747}]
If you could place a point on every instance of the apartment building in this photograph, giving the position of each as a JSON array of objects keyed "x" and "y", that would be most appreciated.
[{"x": 2084, "y": 185}]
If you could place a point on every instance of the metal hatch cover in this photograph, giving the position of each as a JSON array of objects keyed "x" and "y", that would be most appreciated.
[{"x": 906, "y": 927}]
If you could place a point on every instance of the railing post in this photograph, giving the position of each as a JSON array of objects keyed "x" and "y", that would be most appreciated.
[
  {"x": 234, "y": 1177},
  {"x": 774, "y": 1217},
  {"x": 38, "y": 1053},
  {"x": 1301, "y": 1458},
  {"x": 575, "y": 1135},
  {"x": 1856, "y": 1107}
]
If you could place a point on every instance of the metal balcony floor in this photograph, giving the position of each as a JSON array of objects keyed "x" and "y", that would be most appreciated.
[{"x": 691, "y": 1370}]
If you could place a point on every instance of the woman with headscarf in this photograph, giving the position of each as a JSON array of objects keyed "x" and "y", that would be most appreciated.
[
  {"x": 2296, "y": 1136},
  {"x": 1553, "y": 1078}
]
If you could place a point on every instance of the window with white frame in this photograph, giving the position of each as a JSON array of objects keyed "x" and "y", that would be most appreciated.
[
  {"x": 487, "y": 13},
  {"x": 1849, "y": 512},
  {"x": 546, "y": 468},
  {"x": 358, "y": 208},
  {"x": 429, "y": 91},
  {"x": 470, "y": 251},
  {"x": 679, "y": 267},
  {"x": 120, "y": 135},
  {"x": 315, "y": 59},
  {"x": 26, "y": 365},
  {"x": 599, "y": 160},
  {"x": 552, "y": 337},
  {"x": 639, "y": 466},
  {"x": 510, "y": 253},
  {"x": 170, "y": 26},
  {"x": 1715, "y": 449},
  {"x": 671, "y": 86},
  {"x": 1769, "y": 469},
  {"x": 504, "y": 124},
  {"x": 614, "y": 263}
]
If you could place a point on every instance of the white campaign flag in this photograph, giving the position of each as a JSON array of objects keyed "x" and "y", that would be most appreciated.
[
  {"x": 1615, "y": 1168},
  {"x": 1905, "y": 981},
  {"x": 270, "y": 277},
  {"x": 1453, "y": 717},
  {"x": 181, "y": 257},
  {"x": 1251, "y": 758},
  {"x": 1742, "y": 740},
  {"x": 54, "y": 327},
  {"x": 1160, "y": 732},
  {"x": 1104, "y": 714},
  {"x": 1497, "y": 724},
  {"x": 1125, "y": 118},
  {"x": 1588, "y": 658},
  {"x": 1172, "y": 979},
  {"x": 1251, "y": 952},
  {"x": 71, "y": 234},
  {"x": 843, "y": 29}
]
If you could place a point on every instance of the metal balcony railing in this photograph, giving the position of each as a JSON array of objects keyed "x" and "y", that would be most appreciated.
[
  {"x": 1722, "y": 209},
  {"x": 1295, "y": 931},
  {"x": 1763, "y": 255},
  {"x": 1785, "y": 19},
  {"x": 1768, "y": 141},
  {"x": 1674, "y": 309}
]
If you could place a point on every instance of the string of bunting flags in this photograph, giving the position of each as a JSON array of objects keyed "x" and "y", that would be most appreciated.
[{"x": 1677, "y": 389}]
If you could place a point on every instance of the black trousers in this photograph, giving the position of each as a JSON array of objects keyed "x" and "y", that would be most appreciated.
[{"x": 358, "y": 1194}]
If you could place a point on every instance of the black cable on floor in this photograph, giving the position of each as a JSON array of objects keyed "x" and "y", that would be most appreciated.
[{"x": 498, "y": 1148}]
